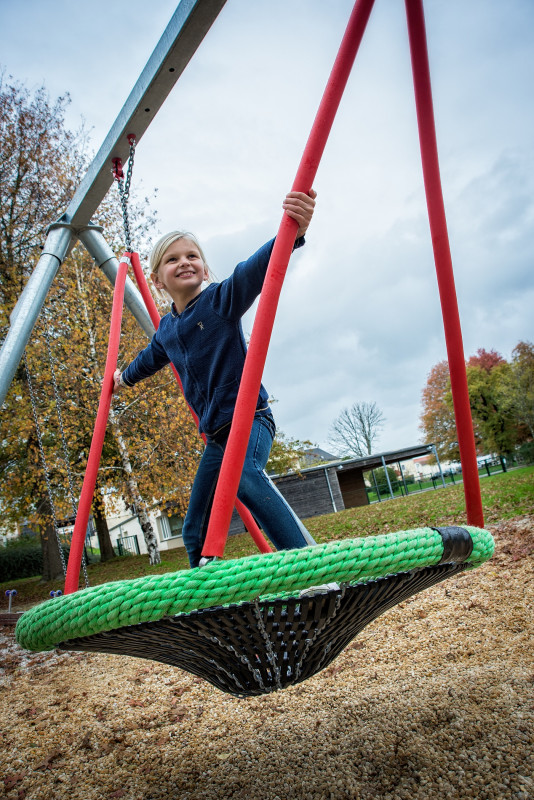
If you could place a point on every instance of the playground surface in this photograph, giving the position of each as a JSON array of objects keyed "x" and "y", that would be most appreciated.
[{"x": 433, "y": 699}]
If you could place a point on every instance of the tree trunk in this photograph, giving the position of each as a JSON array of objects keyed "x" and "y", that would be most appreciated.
[
  {"x": 135, "y": 498},
  {"x": 150, "y": 537},
  {"x": 52, "y": 564},
  {"x": 102, "y": 531}
]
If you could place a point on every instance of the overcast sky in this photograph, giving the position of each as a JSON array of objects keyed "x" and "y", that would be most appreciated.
[{"x": 359, "y": 318}]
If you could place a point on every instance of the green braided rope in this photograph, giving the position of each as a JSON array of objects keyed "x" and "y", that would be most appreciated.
[{"x": 280, "y": 574}]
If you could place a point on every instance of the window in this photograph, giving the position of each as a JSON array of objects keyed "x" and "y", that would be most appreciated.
[{"x": 170, "y": 526}]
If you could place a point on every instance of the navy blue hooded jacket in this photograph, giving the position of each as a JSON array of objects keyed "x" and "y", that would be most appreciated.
[{"x": 206, "y": 344}]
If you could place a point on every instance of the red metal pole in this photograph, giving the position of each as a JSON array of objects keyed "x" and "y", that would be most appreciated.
[
  {"x": 442, "y": 257},
  {"x": 263, "y": 324},
  {"x": 97, "y": 442},
  {"x": 246, "y": 517}
]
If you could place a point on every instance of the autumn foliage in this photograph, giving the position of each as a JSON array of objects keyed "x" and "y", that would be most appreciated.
[
  {"x": 41, "y": 164},
  {"x": 501, "y": 395}
]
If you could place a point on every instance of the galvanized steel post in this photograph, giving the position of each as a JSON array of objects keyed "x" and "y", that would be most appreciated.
[
  {"x": 99, "y": 249},
  {"x": 29, "y": 304}
]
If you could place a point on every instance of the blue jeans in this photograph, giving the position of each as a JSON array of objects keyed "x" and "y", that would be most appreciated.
[{"x": 256, "y": 491}]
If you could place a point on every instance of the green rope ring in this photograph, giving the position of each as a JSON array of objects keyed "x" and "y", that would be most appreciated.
[{"x": 280, "y": 574}]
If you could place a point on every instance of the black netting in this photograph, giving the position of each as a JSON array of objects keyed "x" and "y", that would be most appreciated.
[{"x": 254, "y": 648}]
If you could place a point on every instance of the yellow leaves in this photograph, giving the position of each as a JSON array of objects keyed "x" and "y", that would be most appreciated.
[{"x": 162, "y": 442}]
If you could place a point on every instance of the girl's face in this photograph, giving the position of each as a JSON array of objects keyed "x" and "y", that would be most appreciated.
[{"x": 181, "y": 271}]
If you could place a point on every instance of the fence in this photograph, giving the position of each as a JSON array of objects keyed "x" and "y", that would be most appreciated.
[
  {"x": 128, "y": 546},
  {"x": 404, "y": 486}
]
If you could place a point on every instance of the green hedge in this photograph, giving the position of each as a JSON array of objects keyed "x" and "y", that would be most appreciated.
[
  {"x": 526, "y": 453},
  {"x": 22, "y": 561}
]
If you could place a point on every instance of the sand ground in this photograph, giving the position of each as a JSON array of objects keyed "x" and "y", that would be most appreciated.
[{"x": 435, "y": 699}]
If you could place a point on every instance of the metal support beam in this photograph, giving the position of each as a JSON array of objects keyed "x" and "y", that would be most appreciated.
[
  {"x": 401, "y": 470},
  {"x": 98, "y": 248},
  {"x": 330, "y": 488},
  {"x": 29, "y": 304},
  {"x": 60, "y": 238},
  {"x": 190, "y": 23},
  {"x": 179, "y": 42},
  {"x": 387, "y": 478},
  {"x": 376, "y": 486},
  {"x": 438, "y": 463}
]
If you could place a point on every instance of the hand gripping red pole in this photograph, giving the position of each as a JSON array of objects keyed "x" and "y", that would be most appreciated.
[
  {"x": 236, "y": 447},
  {"x": 442, "y": 257},
  {"x": 247, "y": 518},
  {"x": 99, "y": 432}
]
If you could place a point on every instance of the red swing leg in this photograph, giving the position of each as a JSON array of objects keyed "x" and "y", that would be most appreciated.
[
  {"x": 247, "y": 518},
  {"x": 250, "y": 382},
  {"x": 99, "y": 432},
  {"x": 442, "y": 257}
]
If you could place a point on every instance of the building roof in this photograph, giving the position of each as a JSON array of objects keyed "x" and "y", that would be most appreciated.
[
  {"x": 315, "y": 454},
  {"x": 374, "y": 461}
]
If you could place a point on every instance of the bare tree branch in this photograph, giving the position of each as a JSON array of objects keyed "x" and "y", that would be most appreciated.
[{"x": 356, "y": 429}]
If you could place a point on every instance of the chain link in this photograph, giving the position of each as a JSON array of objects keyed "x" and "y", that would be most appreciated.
[
  {"x": 45, "y": 467},
  {"x": 310, "y": 642},
  {"x": 124, "y": 193},
  {"x": 271, "y": 655},
  {"x": 64, "y": 443}
]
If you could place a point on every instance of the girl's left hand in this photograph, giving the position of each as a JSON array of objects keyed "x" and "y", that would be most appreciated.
[
  {"x": 116, "y": 381},
  {"x": 299, "y": 206}
]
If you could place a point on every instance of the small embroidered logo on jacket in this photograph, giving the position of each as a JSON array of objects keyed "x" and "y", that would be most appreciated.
[{"x": 200, "y": 325}]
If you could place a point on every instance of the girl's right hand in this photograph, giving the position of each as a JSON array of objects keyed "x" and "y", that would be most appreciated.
[{"x": 299, "y": 206}]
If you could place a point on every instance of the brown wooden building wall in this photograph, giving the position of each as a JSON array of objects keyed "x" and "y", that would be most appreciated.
[
  {"x": 308, "y": 494},
  {"x": 352, "y": 487}
]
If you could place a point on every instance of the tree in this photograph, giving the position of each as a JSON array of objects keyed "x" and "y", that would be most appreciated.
[
  {"x": 154, "y": 433},
  {"x": 501, "y": 397},
  {"x": 492, "y": 406},
  {"x": 40, "y": 164},
  {"x": 486, "y": 359},
  {"x": 494, "y": 402},
  {"x": 523, "y": 386},
  {"x": 356, "y": 429},
  {"x": 101, "y": 525},
  {"x": 286, "y": 454},
  {"x": 378, "y": 479},
  {"x": 437, "y": 417}
]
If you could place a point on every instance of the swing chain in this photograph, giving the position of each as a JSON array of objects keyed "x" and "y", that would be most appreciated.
[
  {"x": 319, "y": 630},
  {"x": 45, "y": 467},
  {"x": 63, "y": 440},
  {"x": 124, "y": 188},
  {"x": 60, "y": 419}
]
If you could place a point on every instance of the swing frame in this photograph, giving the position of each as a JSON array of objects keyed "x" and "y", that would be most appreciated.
[
  {"x": 230, "y": 620},
  {"x": 176, "y": 47}
]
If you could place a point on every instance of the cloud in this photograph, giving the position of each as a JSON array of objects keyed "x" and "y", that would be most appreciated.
[{"x": 359, "y": 317}]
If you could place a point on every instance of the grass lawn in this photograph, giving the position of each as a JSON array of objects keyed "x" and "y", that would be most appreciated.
[{"x": 504, "y": 495}]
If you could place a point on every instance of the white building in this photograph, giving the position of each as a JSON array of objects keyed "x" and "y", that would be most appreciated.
[{"x": 126, "y": 534}]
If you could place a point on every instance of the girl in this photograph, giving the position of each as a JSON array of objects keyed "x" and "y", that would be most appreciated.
[{"x": 203, "y": 337}]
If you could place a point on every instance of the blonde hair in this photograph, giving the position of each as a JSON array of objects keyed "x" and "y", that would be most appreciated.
[{"x": 165, "y": 242}]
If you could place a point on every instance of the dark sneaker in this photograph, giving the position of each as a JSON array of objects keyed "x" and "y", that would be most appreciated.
[
  {"x": 205, "y": 560},
  {"x": 324, "y": 588}
]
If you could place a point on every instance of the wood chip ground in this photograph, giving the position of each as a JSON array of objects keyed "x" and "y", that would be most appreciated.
[{"x": 435, "y": 699}]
